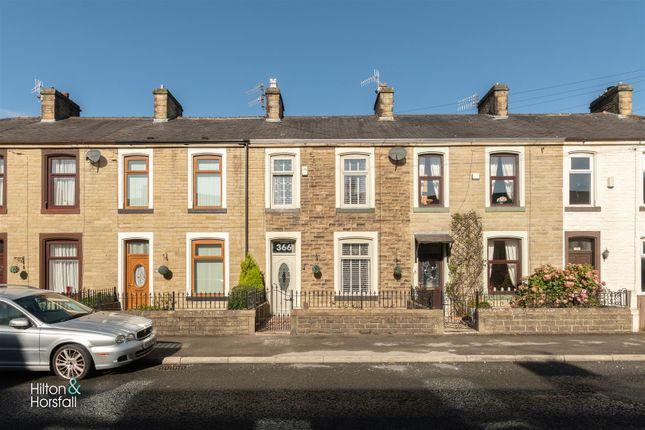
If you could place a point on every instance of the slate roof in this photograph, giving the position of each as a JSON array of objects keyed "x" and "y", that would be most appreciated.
[{"x": 597, "y": 126}]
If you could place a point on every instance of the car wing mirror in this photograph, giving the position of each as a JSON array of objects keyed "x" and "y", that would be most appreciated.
[{"x": 20, "y": 323}]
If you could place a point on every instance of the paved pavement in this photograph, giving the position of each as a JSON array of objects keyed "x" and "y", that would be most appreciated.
[
  {"x": 530, "y": 395},
  {"x": 387, "y": 349}
]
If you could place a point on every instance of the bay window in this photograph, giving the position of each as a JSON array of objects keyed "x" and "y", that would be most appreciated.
[
  {"x": 207, "y": 267},
  {"x": 136, "y": 181},
  {"x": 503, "y": 180},
  {"x": 504, "y": 264},
  {"x": 430, "y": 180},
  {"x": 207, "y": 180},
  {"x": 581, "y": 179},
  {"x": 60, "y": 182}
]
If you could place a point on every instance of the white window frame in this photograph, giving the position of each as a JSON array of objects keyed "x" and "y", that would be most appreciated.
[
  {"x": 444, "y": 153},
  {"x": 516, "y": 150},
  {"x": 192, "y": 153},
  {"x": 269, "y": 155},
  {"x": 523, "y": 237},
  {"x": 370, "y": 183},
  {"x": 123, "y": 238},
  {"x": 122, "y": 153},
  {"x": 223, "y": 236},
  {"x": 366, "y": 236},
  {"x": 592, "y": 169}
]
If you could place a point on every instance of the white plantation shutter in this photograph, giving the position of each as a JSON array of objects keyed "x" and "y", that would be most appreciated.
[{"x": 355, "y": 267}]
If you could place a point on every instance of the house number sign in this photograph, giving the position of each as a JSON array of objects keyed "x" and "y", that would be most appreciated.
[{"x": 282, "y": 247}]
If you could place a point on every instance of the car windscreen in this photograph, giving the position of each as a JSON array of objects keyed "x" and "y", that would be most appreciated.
[{"x": 53, "y": 308}]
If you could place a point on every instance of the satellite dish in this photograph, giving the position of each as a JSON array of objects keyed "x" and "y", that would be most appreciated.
[
  {"x": 94, "y": 155},
  {"x": 397, "y": 154}
]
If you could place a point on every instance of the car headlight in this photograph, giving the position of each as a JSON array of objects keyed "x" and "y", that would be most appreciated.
[
  {"x": 120, "y": 339},
  {"x": 129, "y": 337}
]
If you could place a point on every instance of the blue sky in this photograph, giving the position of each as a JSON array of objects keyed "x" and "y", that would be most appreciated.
[{"x": 111, "y": 54}]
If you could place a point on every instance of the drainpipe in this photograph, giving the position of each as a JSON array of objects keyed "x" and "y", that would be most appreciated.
[{"x": 246, "y": 197}]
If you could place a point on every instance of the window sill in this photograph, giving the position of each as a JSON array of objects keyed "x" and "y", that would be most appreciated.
[
  {"x": 212, "y": 298},
  {"x": 506, "y": 209},
  {"x": 354, "y": 210},
  {"x": 135, "y": 211},
  {"x": 207, "y": 211},
  {"x": 641, "y": 209},
  {"x": 582, "y": 208},
  {"x": 438, "y": 209},
  {"x": 60, "y": 211},
  {"x": 279, "y": 210}
]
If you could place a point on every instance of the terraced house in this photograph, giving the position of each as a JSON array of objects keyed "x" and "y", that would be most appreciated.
[{"x": 333, "y": 204}]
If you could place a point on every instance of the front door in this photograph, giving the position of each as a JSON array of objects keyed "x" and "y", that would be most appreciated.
[
  {"x": 283, "y": 276},
  {"x": 430, "y": 271},
  {"x": 136, "y": 282},
  {"x": 3, "y": 262}
]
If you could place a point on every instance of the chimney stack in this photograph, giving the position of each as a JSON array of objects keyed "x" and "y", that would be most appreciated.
[
  {"x": 384, "y": 104},
  {"x": 274, "y": 103},
  {"x": 55, "y": 105},
  {"x": 495, "y": 102},
  {"x": 616, "y": 99},
  {"x": 166, "y": 106}
]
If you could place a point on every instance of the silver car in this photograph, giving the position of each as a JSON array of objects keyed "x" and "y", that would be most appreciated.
[{"x": 43, "y": 330}]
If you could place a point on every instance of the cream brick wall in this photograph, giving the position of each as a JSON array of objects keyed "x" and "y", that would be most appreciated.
[{"x": 100, "y": 223}]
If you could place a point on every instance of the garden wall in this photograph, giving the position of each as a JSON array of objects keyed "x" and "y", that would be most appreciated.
[
  {"x": 201, "y": 322},
  {"x": 366, "y": 321},
  {"x": 554, "y": 320}
]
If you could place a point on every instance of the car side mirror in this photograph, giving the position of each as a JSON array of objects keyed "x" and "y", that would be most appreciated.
[{"x": 20, "y": 323}]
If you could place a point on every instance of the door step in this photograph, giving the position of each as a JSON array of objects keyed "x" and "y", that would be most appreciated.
[{"x": 459, "y": 330}]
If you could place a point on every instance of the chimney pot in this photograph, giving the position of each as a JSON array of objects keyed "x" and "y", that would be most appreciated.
[
  {"x": 55, "y": 106},
  {"x": 274, "y": 102},
  {"x": 495, "y": 101},
  {"x": 166, "y": 106},
  {"x": 616, "y": 99},
  {"x": 384, "y": 103}
]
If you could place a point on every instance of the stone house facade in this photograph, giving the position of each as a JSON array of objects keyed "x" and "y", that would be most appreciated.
[{"x": 358, "y": 197}]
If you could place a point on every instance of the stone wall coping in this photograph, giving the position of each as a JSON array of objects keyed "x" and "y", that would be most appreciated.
[
  {"x": 370, "y": 312},
  {"x": 553, "y": 310},
  {"x": 195, "y": 312}
]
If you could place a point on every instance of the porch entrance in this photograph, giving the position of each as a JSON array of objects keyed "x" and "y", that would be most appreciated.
[
  {"x": 431, "y": 254},
  {"x": 137, "y": 291}
]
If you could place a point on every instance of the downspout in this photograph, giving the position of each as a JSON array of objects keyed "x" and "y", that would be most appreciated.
[{"x": 246, "y": 197}]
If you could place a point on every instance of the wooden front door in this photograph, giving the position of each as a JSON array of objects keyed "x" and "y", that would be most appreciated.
[
  {"x": 136, "y": 278},
  {"x": 3, "y": 261}
]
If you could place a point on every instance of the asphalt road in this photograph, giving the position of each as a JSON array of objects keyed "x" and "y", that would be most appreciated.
[{"x": 490, "y": 396}]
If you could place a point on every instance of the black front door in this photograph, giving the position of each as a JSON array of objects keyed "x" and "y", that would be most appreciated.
[{"x": 430, "y": 271}]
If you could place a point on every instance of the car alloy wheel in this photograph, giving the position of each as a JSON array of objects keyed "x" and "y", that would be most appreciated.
[{"x": 71, "y": 362}]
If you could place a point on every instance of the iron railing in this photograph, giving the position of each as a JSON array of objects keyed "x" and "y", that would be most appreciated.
[{"x": 407, "y": 299}]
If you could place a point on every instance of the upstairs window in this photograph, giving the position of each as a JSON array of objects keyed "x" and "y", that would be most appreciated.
[
  {"x": 60, "y": 187},
  {"x": 282, "y": 169},
  {"x": 356, "y": 267},
  {"x": 504, "y": 265},
  {"x": 580, "y": 179},
  {"x": 207, "y": 177},
  {"x": 430, "y": 180},
  {"x": 355, "y": 180},
  {"x": 3, "y": 182},
  {"x": 503, "y": 180},
  {"x": 136, "y": 181}
]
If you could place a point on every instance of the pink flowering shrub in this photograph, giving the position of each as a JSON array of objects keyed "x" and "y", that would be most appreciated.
[{"x": 549, "y": 287}]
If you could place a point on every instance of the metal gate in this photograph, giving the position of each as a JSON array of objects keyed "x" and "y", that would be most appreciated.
[
  {"x": 460, "y": 311},
  {"x": 277, "y": 316}
]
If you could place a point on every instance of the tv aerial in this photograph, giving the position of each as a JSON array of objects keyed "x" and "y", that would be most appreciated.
[
  {"x": 38, "y": 85},
  {"x": 375, "y": 78},
  {"x": 467, "y": 103},
  {"x": 259, "y": 100}
]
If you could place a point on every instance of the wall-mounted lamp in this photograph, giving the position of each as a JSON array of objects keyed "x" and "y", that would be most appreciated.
[
  {"x": 165, "y": 272},
  {"x": 605, "y": 254}
]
